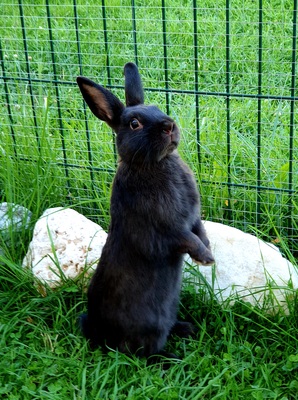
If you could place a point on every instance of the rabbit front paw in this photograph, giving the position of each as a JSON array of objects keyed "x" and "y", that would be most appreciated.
[{"x": 203, "y": 258}]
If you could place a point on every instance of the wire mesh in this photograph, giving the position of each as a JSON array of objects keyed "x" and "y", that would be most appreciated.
[{"x": 225, "y": 70}]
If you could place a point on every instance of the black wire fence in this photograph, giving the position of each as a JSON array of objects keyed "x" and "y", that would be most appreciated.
[{"x": 225, "y": 70}]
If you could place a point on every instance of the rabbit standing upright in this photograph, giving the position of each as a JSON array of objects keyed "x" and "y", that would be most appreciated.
[{"x": 155, "y": 218}]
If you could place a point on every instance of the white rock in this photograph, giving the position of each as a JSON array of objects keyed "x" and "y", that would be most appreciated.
[
  {"x": 245, "y": 267},
  {"x": 64, "y": 244},
  {"x": 13, "y": 216}
]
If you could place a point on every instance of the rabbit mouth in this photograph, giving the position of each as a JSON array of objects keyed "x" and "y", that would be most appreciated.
[
  {"x": 169, "y": 145},
  {"x": 171, "y": 138}
]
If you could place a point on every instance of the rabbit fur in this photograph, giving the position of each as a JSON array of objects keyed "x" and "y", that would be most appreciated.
[{"x": 133, "y": 295}]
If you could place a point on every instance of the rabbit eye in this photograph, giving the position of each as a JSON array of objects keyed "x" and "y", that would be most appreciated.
[{"x": 134, "y": 124}]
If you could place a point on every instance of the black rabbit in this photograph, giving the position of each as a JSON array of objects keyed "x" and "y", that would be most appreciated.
[{"x": 155, "y": 218}]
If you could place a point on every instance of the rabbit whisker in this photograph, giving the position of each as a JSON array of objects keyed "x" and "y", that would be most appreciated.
[{"x": 136, "y": 152}]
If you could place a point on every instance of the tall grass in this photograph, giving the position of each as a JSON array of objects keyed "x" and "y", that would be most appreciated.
[
  {"x": 50, "y": 157},
  {"x": 49, "y": 120},
  {"x": 238, "y": 353}
]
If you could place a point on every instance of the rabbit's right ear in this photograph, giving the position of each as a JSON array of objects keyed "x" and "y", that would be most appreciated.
[
  {"x": 134, "y": 93},
  {"x": 101, "y": 102}
]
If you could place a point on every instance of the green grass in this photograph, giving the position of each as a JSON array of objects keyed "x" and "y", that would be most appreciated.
[
  {"x": 240, "y": 352},
  {"x": 41, "y": 135}
]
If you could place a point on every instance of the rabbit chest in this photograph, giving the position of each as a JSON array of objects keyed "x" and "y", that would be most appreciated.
[{"x": 159, "y": 200}]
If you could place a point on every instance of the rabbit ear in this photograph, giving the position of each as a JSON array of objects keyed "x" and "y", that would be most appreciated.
[
  {"x": 101, "y": 102},
  {"x": 134, "y": 93}
]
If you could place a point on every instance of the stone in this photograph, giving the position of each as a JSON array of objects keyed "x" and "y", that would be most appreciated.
[
  {"x": 13, "y": 216},
  {"x": 65, "y": 244},
  {"x": 246, "y": 268},
  {"x": 14, "y": 219}
]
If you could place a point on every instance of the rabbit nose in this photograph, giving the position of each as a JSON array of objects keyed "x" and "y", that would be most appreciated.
[{"x": 167, "y": 127}]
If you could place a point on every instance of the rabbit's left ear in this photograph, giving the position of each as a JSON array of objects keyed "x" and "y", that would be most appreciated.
[
  {"x": 101, "y": 102},
  {"x": 134, "y": 93}
]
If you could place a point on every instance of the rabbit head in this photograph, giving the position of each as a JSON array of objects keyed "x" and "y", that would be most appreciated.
[{"x": 145, "y": 135}]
